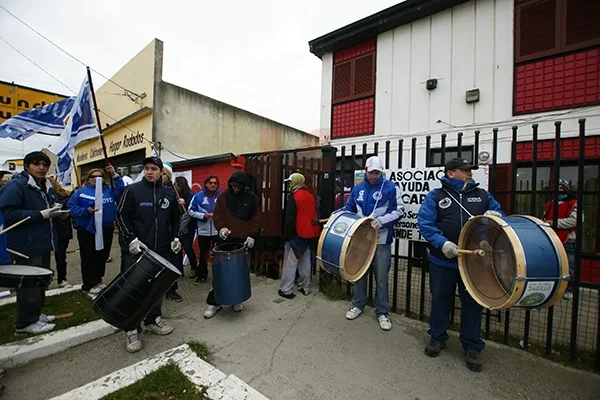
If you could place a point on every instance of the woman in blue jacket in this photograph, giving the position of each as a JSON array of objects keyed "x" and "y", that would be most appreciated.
[
  {"x": 202, "y": 209},
  {"x": 82, "y": 208}
]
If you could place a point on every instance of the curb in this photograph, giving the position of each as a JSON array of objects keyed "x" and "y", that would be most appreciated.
[
  {"x": 199, "y": 372},
  {"x": 53, "y": 292},
  {"x": 22, "y": 352}
]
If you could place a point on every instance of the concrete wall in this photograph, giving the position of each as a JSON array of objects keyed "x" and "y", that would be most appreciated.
[{"x": 191, "y": 123}]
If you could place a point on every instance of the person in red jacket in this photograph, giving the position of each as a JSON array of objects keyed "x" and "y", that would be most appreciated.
[
  {"x": 301, "y": 235},
  {"x": 566, "y": 226}
]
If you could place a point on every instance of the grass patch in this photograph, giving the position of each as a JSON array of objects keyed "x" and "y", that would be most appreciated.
[
  {"x": 76, "y": 302},
  {"x": 202, "y": 350},
  {"x": 333, "y": 288},
  {"x": 166, "y": 383}
]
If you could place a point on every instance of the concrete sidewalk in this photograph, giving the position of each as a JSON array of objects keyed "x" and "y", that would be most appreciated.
[{"x": 306, "y": 349}]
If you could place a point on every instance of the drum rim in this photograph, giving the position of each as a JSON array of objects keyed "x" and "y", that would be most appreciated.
[
  {"x": 559, "y": 248},
  {"x": 242, "y": 249},
  {"x": 155, "y": 257},
  {"x": 359, "y": 222},
  {"x": 519, "y": 256},
  {"x": 7, "y": 275}
]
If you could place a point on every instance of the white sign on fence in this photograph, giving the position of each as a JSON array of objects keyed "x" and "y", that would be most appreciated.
[{"x": 414, "y": 184}]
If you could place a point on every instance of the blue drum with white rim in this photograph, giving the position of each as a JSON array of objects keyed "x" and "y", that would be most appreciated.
[
  {"x": 523, "y": 264},
  {"x": 347, "y": 245}
]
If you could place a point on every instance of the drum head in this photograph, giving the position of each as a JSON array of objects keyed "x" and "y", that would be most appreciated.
[
  {"x": 360, "y": 251},
  {"x": 24, "y": 270},
  {"x": 489, "y": 278},
  {"x": 160, "y": 260},
  {"x": 229, "y": 248}
]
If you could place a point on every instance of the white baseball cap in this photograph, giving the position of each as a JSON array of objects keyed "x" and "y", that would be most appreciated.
[{"x": 374, "y": 164}]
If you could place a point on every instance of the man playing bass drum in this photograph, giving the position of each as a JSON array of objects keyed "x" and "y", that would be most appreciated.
[{"x": 148, "y": 218}]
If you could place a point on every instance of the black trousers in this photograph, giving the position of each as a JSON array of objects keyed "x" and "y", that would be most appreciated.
[
  {"x": 60, "y": 257},
  {"x": 210, "y": 300},
  {"x": 205, "y": 244},
  {"x": 31, "y": 300},
  {"x": 93, "y": 262},
  {"x": 128, "y": 259}
]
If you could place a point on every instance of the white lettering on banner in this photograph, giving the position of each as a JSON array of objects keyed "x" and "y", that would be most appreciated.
[{"x": 415, "y": 184}]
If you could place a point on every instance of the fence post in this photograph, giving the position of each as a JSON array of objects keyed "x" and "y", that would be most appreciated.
[{"x": 327, "y": 184}]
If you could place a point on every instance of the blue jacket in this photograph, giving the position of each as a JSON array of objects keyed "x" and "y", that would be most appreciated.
[
  {"x": 22, "y": 197},
  {"x": 441, "y": 219},
  {"x": 85, "y": 198},
  {"x": 388, "y": 199},
  {"x": 201, "y": 204},
  {"x": 4, "y": 257}
]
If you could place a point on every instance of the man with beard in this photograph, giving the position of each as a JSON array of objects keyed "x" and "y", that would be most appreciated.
[{"x": 236, "y": 220}]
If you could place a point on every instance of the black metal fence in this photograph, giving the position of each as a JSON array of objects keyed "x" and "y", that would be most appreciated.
[{"x": 522, "y": 184}]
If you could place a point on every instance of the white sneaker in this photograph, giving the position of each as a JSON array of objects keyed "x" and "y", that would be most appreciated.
[
  {"x": 238, "y": 307},
  {"x": 96, "y": 289},
  {"x": 159, "y": 327},
  {"x": 211, "y": 311},
  {"x": 36, "y": 328},
  {"x": 65, "y": 284},
  {"x": 133, "y": 342},
  {"x": 46, "y": 318},
  {"x": 353, "y": 313},
  {"x": 384, "y": 322}
]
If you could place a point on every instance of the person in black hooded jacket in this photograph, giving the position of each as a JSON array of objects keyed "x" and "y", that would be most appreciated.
[
  {"x": 236, "y": 219},
  {"x": 148, "y": 218}
]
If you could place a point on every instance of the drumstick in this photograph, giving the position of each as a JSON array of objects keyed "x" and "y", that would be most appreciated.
[
  {"x": 14, "y": 225},
  {"x": 323, "y": 221},
  {"x": 62, "y": 316},
  {"x": 477, "y": 252},
  {"x": 16, "y": 253}
]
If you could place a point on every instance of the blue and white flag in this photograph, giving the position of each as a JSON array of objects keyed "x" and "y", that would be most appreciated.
[
  {"x": 47, "y": 120},
  {"x": 81, "y": 126}
]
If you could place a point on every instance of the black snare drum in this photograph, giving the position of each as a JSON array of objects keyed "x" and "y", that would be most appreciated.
[{"x": 26, "y": 276}]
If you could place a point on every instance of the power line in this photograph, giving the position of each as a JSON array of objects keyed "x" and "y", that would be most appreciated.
[
  {"x": 37, "y": 65},
  {"x": 127, "y": 91}
]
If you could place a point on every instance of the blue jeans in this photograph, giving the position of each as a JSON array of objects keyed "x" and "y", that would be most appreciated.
[
  {"x": 442, "y": 283},
  {"x": 381, "y": 267}
]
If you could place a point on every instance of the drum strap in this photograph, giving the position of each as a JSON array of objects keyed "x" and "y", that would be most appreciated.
[
  {"x": 457, "y": 202},
  {"x": 377, "y": 200}
]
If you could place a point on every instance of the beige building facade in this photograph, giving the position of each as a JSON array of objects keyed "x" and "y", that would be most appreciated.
[{"x": 140, "y": 109}]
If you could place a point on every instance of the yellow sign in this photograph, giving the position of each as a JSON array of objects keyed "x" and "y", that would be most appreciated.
[
  {"x": 15, "y": 99},
  {"x": 116, "y": 143}
]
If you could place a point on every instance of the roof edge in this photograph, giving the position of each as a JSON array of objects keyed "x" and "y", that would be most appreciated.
[{"x": 382, "y": 21}]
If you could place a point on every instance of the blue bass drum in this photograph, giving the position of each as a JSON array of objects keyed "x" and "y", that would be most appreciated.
[
  {"x": 231, "y": 273},
  {"x": 347, "y": 245},
  {"x": 523, "y": 264}
]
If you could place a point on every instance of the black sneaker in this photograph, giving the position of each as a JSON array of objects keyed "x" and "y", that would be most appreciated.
[
  {"x": 473, "y": 362},
  {"x": 287, "y": 296},
  {"x": 433, "y": 348},
  {"x": 174, "y": 296},
  {"x": 199, "y": 280},
  {"x": 304, "y": 291}
]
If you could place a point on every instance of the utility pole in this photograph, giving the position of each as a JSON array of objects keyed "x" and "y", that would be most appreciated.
[{"x": 159, "y": 148}]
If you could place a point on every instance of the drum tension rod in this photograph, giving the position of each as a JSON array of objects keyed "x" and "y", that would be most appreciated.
[{"x": 330, "y": 263}]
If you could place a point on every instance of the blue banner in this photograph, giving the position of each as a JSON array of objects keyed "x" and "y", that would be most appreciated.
[{"x": 48, "y": 120}]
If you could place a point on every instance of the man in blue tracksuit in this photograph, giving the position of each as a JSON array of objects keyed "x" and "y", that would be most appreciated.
[
  {"x": 441, "y": 217},
  {"x": 380, "y": 199},
  {"x": 202, "y": 209},
  {"x": 30, "y": 194}
]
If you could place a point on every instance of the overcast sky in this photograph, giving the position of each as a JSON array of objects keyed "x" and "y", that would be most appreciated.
[{"x": 250, "y": 54}]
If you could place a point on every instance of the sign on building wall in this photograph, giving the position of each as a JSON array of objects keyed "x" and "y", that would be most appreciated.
[
  {"x": 117, "y": 143},
  {"x": 415, "y": 183},
  {"x": 15, "y": 99}
]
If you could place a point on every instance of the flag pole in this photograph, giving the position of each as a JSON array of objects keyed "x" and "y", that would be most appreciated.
[
  {"x": 89, "y": 74},
  {"x": 76, "y": 173}
]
